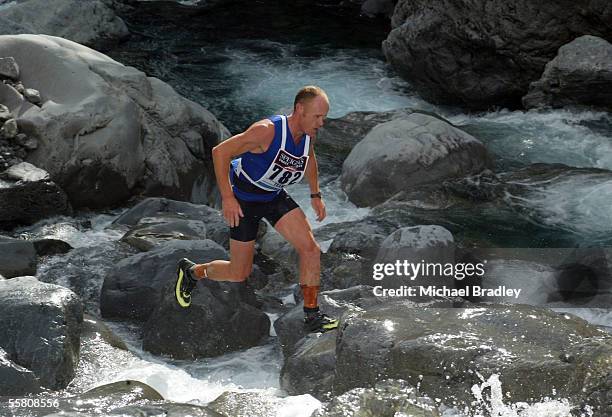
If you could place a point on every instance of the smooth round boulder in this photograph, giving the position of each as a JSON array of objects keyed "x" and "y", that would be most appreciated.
[
  {"x": 580, "y": 75},
  {"x": 40, "y": 329},
  {"x": 406, "y": 152},
  {"x": 134, "y": 286},
  {"x": 143, "y": 139}
]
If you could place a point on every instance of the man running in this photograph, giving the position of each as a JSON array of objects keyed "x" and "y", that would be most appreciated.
[{"x": 269, "y": 155}]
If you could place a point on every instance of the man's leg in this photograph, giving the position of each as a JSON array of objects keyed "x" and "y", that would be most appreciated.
[
  {"x": 294, "y": 227},
  {"x": 237, "y": 269}
]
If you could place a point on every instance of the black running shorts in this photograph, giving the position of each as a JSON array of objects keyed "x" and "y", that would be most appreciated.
[{"x": 254, "y": 211}]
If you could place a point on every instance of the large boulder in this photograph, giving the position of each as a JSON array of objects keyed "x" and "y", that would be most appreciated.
[
  {"x": 406, "y": 152},
  {"x": 580, "y": 74},
  {"x": 484, "y": 53},
  {"x": 107, "y": 131},
  {"x": 154, "y": 221},
  {"x": 28, "y": 195},
  {"x": 134, "y": 286},
  {"x": 213, "y": 325},
  {"x": 446, "y": 350},
  {"x": 40, "y": 329},
  {"x": 88, "y": 22}
]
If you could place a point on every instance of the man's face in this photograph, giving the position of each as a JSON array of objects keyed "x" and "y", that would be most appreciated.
[{"x": 313, "y": 114}]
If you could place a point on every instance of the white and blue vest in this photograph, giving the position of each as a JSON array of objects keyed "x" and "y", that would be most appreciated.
[{"x": 282, "y": 164}]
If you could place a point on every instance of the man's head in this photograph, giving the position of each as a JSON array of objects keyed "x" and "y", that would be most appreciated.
[{"x": 311, "y": 106}]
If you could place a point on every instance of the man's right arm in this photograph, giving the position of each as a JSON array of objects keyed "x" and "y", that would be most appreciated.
[{"x": 258, "y": 136}]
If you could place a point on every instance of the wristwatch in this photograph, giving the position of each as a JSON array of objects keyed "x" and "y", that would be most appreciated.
[{"x": 316, "y": 195}]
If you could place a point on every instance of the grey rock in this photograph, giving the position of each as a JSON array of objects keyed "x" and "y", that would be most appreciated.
[
  {"x": 310, "y": 369},
  {"x": 216, "y": 324},
  {"x": 132, "y": 144},
  {"x": 5, "y": 113},
  {"x": 156, "y": 220},
  {"x": 9, "y": 129},
  {"x": 420, "y": 245},
  {"x": 46, "y": 247},
  {"x": 14, "y": 100},
  {"x": 9, "y": 68},
  {"x": 525, "y": 345},
  {"x": 251, "y": 404},
  {"x": 580, "y": 74},
  {"x": 485, "y": 52},
  {"x": 168, "y": 408},
  {"x": 14, "y": 379},
  {"x": 88, "y": 22},
  {"x": 406, "y": 152},
  {"x": 134, "y": 287},
  {"x": 27, "y": 196},
  {"x": 17, "y": 257},
  {"x": 40, "y": 329},
  {"x": 32, "y": 95}
]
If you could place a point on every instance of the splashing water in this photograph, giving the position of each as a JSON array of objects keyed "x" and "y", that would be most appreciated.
[{"x": 493, "y": 404}]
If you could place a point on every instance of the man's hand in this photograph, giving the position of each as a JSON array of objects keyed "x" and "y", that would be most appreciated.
[
  {"x": 231, "y": 210},
  {"x": 319, "y": 208}
]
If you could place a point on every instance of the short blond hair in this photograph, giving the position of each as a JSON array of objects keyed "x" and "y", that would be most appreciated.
[{"x": 307, "y": 93}]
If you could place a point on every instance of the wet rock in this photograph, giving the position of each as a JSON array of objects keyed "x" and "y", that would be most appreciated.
[
  {"x": 95, "y": 328},
  {"x": 17, "y": 257},
  {"x": 9, "y": 68},
  {"x": 407, "y": 152},
  {"x": 486, "y": 52},
  {"x": 133, "y": 144},
  {"x": 387, "y": 398},
  {"x": 14, "y": 379},
  {"x": 45, "y": 247},
  {"x": 156, "y": 220},
  {"x": 215, "y": 324},
  {"x": 27, "y": 195},
  {"x": 443, "y": 350},
  {"x": 257, "y": 404},
  {"x": 133, "y": 288},
  {"x": 89, "y": 22},
  {"x": 169, "y": 409},
  {"x": 310, "y": 369},
  {"x": 580, "y": 74},
  {"x": 9, "y": 129},
  {"x": 40, "y": 329},
  {"x": 33, "y": 96}
]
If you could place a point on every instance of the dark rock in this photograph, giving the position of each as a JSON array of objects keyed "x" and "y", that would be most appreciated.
[
  {"x": 133, "y": 288},
  {"x": 9, "y": 68},
  {"x": 14, "y": 379},
  {"x": 17, "y": 257},
  {"x": 387, "y": 398},
  {"x": 169, "y": 409},
  {"x": 40, "y": 329},
  {"x": 45, "y": 247},
  {"x": 29, "y": 196},
  {"x": 431, "y": 347},
  {"x": 484, "y": 53},
  {"x": 215, "y": 324},
  {"x": 310, "y": 369},
  {"x": 580, "y": 74},
  {"x": 407, "y": 152}
]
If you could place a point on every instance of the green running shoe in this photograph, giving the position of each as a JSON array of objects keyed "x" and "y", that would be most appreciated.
[
  {"x": 319, "y": 322},
  {"x": 185, "y": 283}
]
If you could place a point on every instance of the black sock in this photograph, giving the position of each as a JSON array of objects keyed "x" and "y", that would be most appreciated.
[{"x": 309, "y": 312}]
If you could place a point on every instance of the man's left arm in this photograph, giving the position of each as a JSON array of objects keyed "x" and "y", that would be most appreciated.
[{"x": 312, "y": 174}]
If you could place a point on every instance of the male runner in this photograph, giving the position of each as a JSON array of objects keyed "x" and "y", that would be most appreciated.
[{"x": 270, "y": 155}]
